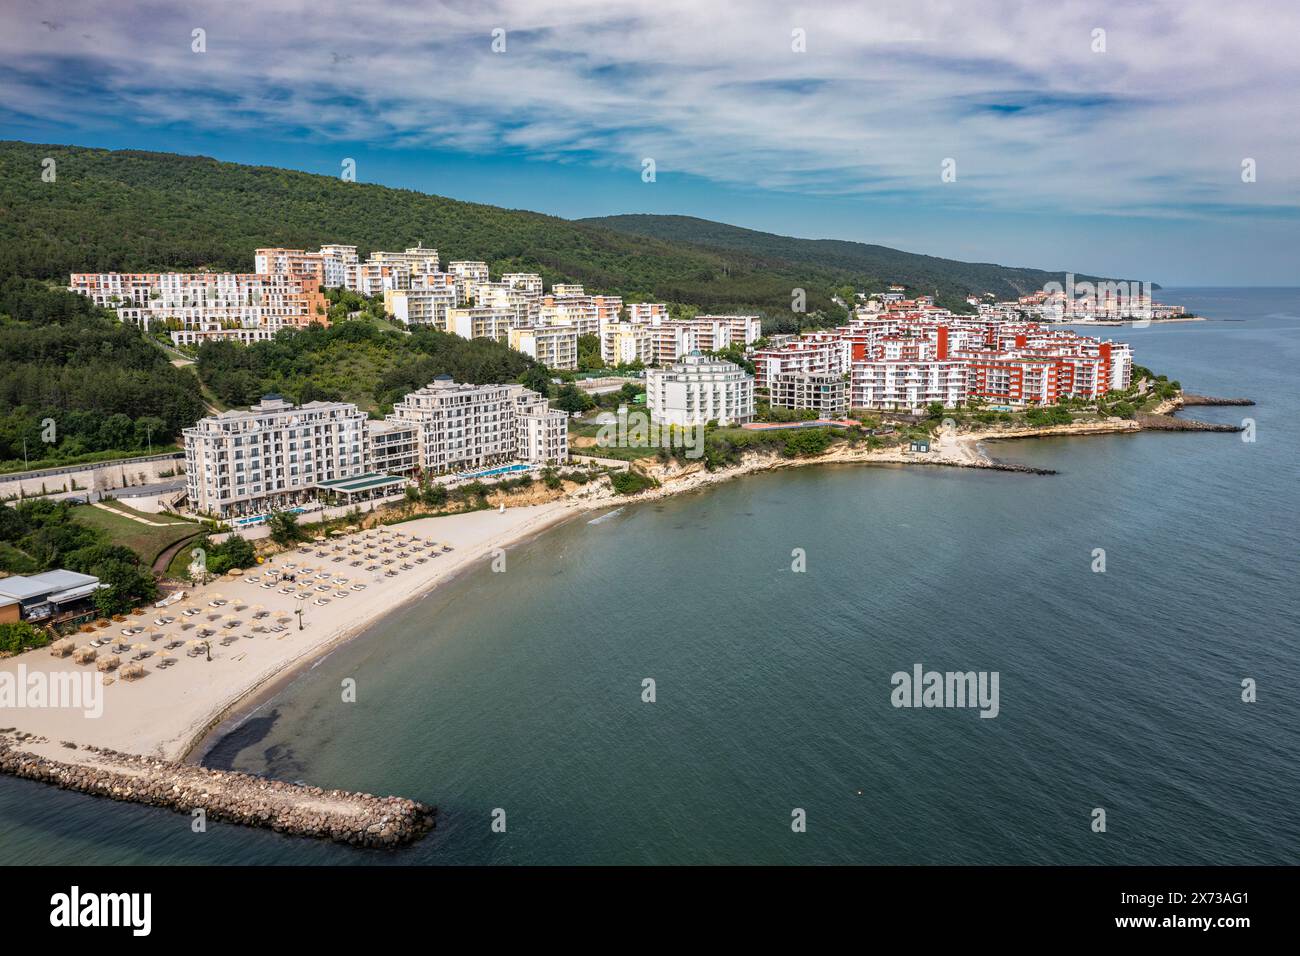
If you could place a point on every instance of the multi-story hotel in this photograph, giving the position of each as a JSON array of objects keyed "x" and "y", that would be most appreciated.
[
  {"x": 469, "y": 274},
  {"x": 699, "y": 390},
  {"x": 328, "y": 266},
  {"x": 428, "y": 306},
  {"x": 272, "y": 456},
  {"x": 826, "y": 393},
  {"x": 529, "y": 282},
  {"x": 476, "y": 323},
  {"x": 907, "y": 386},
  {"x": 813, "y": 352},
  {"x": 647, "y": 312},
  {"x": 394, "y": 447},
  {"x": 193, "y": 306},
  {"x": 541, "y": 432},
  {"x": 555, "y": 346},
  {"x": 626, "y": 343},
  {"x": 674, "y": 338},
  {"x": 459, "y": 426},
  {"x": 277, "y": 455}
]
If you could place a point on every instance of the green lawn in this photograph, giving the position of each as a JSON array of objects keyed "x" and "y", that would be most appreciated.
[{"x": 145, "y": 540}]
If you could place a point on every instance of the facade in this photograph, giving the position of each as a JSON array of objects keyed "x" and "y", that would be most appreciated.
[
  {"x": 460, "y": 427},
  {"x": 647, "y": 312},
  {"x": 555, "y": 346},
  {"x": 476, "y": 323},
  {"x": 428, "y": 306},
  {"x": 815, "y": 352},
  {"x": 541, "y": 432},
  {"x": 197, "y": 305},
  {"x": 394, "y": 447},
  {"x": 907, "y": 386},
  {"x": 626, "y": 343},
  {"x": 469, "y": 274},
  {"x": 272, "y": 456},
  {"x": 826, "y": 393},
  {"x": 699, "y": 390}
]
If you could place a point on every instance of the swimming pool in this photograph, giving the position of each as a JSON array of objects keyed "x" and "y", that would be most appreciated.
[
  {"x": 488, "y": 473},
  {"x": 258, "y": 519}
]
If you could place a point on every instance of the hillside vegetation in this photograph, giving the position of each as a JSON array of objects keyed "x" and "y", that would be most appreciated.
[
  {"x": 134, "y": 211},
  {"x": 76, "y": 384}
]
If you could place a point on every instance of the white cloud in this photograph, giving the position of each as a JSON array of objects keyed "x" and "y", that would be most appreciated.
[{"x": 1157, "y": 124}]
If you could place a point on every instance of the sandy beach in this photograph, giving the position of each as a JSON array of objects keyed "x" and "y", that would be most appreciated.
[{"x": 167, "y": 712}]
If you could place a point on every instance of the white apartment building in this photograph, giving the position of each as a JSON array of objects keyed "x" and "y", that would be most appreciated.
[
  {"x": 421, "y": 306},
  {"x": 907, "y": 386},
  {"x": 625, "y": 343},
  {"x": 555, "y": 346},
  {"x": 541, "y": 432},
  {"x": 198, "y": 305},
  {"x": 419, "y": 260},
  {"x": 394, "y": 447},
  {"x": 375, "y": 277},
  {"x": 272, "y": 456},
  {"x": 336, "y": 259},
  {"x": 826, "y": 393},
  {"x": 475, "y": 323},
  {"x": 500, "y": 295},
  {"x": 815, "y": 352},
  {"x": 578, "y": 311},
  {"x": 699, "y": 390},
  {"x": 674, "y": 338},
  {"x": 469, "y": 274},
  {"x": 529, "y": 282},
  {"x": 647, "y": 312},
  {"x": 460, "y": 426}
]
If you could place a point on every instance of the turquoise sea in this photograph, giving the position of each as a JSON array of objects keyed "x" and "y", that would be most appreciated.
[{"x": 1118, "y": 690}]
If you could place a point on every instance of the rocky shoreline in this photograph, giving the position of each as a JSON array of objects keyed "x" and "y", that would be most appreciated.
[{"x": 357, "y": 819}]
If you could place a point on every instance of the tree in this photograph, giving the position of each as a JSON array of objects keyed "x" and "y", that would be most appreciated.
[
  {"x": 434, "y": 495},
  {"x": 18, "y": 636},
  {"x": 572, "y": 399},
  {"x": 538, "y": 379},
  {"x": 285, "y": 529},
  {"x": 127, "y": 586}
]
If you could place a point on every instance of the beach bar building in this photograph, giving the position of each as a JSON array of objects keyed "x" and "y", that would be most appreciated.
[{"x": 53, "y": 597}]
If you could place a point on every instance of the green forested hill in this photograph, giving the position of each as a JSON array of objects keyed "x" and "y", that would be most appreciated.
[
  {"x": 131, "y": 211},
  {"x": 837, "y": 257}
]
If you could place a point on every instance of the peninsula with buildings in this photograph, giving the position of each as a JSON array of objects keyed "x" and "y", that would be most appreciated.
[{"x": 286, "y": 526}]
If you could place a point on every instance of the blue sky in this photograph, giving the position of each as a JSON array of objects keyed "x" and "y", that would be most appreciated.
[{"x": 1118, "y": 152}]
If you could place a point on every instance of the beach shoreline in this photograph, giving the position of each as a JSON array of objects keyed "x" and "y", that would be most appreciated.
[{"x": 165, "y": 717}]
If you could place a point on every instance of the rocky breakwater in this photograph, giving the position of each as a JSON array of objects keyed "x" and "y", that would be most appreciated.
[
  {"x": 358, "y": 819},
  {"x": 1205, "y": 400},
  {"x": 1167, "y": 423}
]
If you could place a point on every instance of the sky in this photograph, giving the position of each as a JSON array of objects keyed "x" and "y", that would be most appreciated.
[{"x": 1158, "y": 141}]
